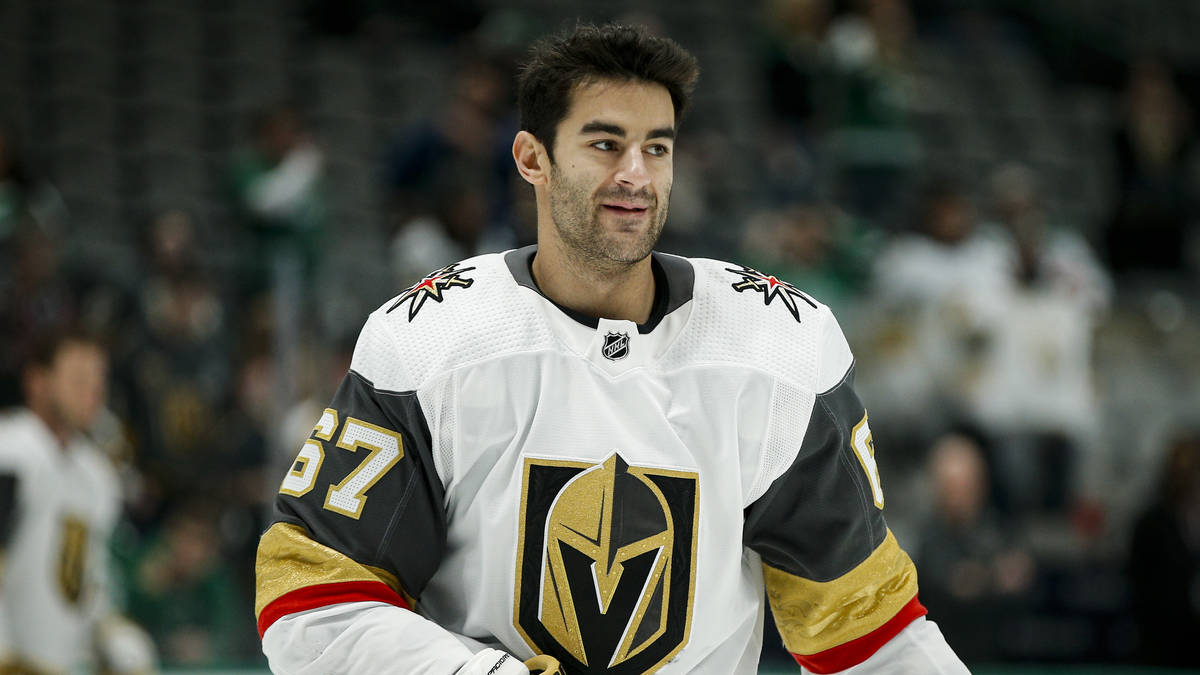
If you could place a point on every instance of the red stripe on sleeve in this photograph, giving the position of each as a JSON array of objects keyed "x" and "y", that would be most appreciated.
[
  {"x": 860, "y": 649},
  {"x": 312, "y": 597}
]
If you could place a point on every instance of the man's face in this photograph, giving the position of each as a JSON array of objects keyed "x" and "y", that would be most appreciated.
[
  {"x": 76, "y": 384},
  {"x": 610, "y": 181}
]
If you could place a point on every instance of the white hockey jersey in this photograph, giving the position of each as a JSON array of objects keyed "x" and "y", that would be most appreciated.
[
  {"x": 62, "y": 506},
  {"x": 612, "y": 494}
]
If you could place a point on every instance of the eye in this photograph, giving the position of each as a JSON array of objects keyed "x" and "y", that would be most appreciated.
[
  {"x": 658, "y": 150},
  {"x": 605, "y": 145}
]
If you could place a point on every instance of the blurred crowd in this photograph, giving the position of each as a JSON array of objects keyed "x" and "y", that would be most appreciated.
[{"x": 1023, "y": 367}]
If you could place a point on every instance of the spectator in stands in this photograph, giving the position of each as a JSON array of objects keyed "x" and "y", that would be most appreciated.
[
  {"x": 169, "y": 577},
  {"x": 278, "y": 199},
  {"x": 973, "y": 571},
  {"x": 932, "y": 293},
  {"x": 873, "y": 149},
  {"x": 1154, "y": 223},
  {"x": 793, "y": 62},
  {"x": 238, "y": 466},
  {"x": 795, "y": 69},
  {"x": 26, "y": 198},
  {"x": 60, "y": 502},
  {"x": 39, "y": 285},
  {"x": 1047, "y": 252},
  {"x": 179, "y": 372},
  {"x": 448, "y": 180},
  {"x": 1032, "y": 389},
  {"x": 1164, "y": 561},
  {"x": 184, "y": 593}
]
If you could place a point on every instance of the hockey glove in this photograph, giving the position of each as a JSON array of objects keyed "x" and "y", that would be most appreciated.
[
  {"x": 493, "y": 662},
  {"x": 123, "y": 647}
]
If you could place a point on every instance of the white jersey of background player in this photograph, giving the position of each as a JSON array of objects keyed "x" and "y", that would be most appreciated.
[
  {"x": 60, "y": 500},
  {"x": 587, "y": 456}
]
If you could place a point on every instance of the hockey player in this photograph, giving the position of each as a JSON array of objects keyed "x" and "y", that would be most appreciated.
[
  {"x": 587, "y": 455},
  {"x": 59, "y": 501}
]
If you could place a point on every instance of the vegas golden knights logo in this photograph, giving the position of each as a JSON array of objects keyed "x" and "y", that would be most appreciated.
[
  {"x": 72, "y": 559},
  {"x": 606, "y": 564}
]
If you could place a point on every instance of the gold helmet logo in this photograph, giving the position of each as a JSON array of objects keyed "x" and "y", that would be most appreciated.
[{"x": 608, "y": 587}]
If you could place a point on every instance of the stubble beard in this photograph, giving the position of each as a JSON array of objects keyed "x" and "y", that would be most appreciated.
[{"x": 576, "y": 217}]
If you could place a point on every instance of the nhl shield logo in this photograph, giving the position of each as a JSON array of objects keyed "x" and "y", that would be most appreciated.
[
  {"x": 616, "y": 346},
  {"x": 606, "y": 564}
]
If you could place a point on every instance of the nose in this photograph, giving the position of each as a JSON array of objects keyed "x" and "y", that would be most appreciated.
[{"x": 632, "y": 171}]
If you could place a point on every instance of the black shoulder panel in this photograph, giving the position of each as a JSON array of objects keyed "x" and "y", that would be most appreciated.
[
  {"x": 396, "y": 520},
  {"x": 819, "y": 519}
]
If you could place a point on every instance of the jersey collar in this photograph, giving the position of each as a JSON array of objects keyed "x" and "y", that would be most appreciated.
[{"x": 673, "y": 276}]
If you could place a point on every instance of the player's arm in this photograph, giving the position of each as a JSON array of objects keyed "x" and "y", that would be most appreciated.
[
  {"x": 360, "y": 529},
  {"x": 842, "y": 591}
]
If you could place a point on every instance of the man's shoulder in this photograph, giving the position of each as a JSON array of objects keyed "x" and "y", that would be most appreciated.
[
  {"x": 753, "y": 318},
  {"x": 746, "y": 294},
  {"x": 460, "y": 313},
  {"x": 17, "y": 419},
  {"x": 25, "y": 442},
  {"x": 448, "y": 293}
]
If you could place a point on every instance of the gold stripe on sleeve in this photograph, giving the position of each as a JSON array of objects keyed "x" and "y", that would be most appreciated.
[
  {"x": 813, "y": 616},
  {"x": 288, "y": 559}
]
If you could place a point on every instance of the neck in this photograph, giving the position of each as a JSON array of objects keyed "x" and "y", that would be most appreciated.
[
  {"x": 609, "y": 291},
  {"x": 52, "y": 422}
]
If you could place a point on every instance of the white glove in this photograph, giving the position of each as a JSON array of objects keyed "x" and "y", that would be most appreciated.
[
  {"x": 124, "y": 647},
  {"x": 493, "y": 662}
]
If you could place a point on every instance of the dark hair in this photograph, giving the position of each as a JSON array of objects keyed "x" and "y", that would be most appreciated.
[
  {"x": 587, "y": 53},
  {"x": 48, "y": 342}
]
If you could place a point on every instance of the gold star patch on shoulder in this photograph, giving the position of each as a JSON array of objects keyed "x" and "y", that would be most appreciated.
[
  {"x": 771, "y": 287},
  {"x": 432, "y": 286}
]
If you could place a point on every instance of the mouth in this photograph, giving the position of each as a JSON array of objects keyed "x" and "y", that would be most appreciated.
[{"x": 625, "y": 208}]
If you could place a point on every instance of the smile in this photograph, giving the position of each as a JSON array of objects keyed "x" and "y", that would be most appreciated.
[{"x": 627, "y": 209}]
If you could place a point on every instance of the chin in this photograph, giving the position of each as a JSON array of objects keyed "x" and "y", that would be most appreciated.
[
  {"x": 628, "y": 259},
  {"x": 631, "y": 253}
]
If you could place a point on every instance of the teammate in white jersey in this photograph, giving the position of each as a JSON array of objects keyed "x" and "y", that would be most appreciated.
[
  {"x": 587, "y": 457},
  {"x": 59, "y": 501}
]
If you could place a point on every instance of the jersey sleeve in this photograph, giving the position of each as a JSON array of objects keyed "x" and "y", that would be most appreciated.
[
  {"x": 838, "y": 583},
  {"x": 359, "y": 516},
  {"x": 918, "y": 648}
]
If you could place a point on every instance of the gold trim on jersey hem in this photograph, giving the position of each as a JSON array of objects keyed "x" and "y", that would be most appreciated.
[
  {"x": 813, "y": 616},
  {"x": 289, "y": 559}
]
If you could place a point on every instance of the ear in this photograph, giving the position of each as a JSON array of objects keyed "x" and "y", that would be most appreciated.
[{"x": 532, "y": 161}]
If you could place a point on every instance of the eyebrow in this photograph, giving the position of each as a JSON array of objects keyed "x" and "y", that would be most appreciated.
[{"x": 617, "y": 130}]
